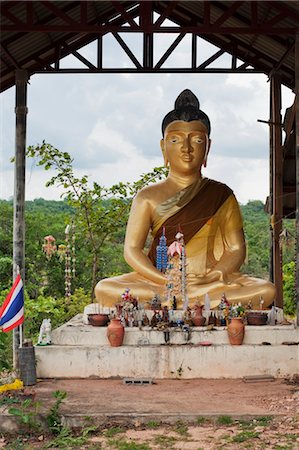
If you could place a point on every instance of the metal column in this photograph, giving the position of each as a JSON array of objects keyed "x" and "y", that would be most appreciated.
[{"x": 19, "y": 189}]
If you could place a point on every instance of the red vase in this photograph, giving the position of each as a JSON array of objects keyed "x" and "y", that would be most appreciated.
[
  {"x": 236, "y": 331},
  {"x": 197, "y": 318},
  {"x": 115, "y": 333}
]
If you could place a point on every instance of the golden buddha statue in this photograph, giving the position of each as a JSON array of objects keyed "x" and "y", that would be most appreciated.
[{"x": 206, "y": 211}]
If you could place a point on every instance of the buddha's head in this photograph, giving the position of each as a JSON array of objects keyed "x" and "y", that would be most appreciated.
[{"x": 186, "y": 130}]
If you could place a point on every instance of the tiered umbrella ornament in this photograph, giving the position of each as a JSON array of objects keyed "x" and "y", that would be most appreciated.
[{"x": 176, "y": 271}]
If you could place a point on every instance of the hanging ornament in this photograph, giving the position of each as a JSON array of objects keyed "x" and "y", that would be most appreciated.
[
  {"x": 49, "y": 246},
  {"x": 67, "y": 271},
  {"x": 61, "y": 251}
]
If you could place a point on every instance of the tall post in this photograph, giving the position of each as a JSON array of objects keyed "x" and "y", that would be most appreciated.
[
  {"x": 271, "y": 239},
  {"x": 277, "y": 186},
  {"x": 146, "y": 19},
  {"x": 297, "y": 168},
  {"x": 19, "y": 190}
]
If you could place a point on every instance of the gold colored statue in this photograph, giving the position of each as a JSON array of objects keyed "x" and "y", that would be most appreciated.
[{"x": 207, "y": 213}]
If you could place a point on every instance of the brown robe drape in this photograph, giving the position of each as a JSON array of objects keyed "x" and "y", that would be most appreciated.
[{"x": 193, "y": 216}]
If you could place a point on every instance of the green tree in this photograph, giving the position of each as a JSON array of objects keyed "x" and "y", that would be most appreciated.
[{"x": 99, "y": 212}]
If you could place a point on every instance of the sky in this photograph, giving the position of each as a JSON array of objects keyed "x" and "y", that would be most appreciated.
[{"x": 111, "y": 124}]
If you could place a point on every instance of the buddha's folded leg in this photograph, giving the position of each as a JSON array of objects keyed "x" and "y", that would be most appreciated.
[
  {"x": 108, "y": 291},
  {"x": 239, "y": 288}
]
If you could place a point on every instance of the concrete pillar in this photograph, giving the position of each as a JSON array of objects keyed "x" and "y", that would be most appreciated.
[
  {"x": 19, "y": 189},
  {"x": 276, "y": 185}
]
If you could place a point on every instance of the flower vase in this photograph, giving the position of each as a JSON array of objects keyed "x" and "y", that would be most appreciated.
[
  {"x": 115, "y": 333},
  {"x": 197, "y": 318},
  {"x": 236, "y": 331}
]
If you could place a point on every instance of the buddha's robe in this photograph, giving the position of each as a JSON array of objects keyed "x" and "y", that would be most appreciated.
[{"x": 206, "y": 212}]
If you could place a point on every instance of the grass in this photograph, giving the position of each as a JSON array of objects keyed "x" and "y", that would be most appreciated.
[
  {"x": 201, "y": 420},
  {"x": 245, "y": 435},
  {"x": 66, "y": 439},
  {"x": 181, "y": 428},
  {"x": 264, "y": 420},
  {"x": 127, "y": 445},
  {"x": 166, "y": 441},
  {"x": 224, "y": 420},
  {"x": 152, "y": 424},
  {"x": 113, "y": 431}
]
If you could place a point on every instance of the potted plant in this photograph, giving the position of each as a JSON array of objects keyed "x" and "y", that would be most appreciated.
[{"x": 235, "y": 323}]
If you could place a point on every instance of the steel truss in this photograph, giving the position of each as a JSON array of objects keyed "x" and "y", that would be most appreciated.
[{"x": 82, "y": 22}]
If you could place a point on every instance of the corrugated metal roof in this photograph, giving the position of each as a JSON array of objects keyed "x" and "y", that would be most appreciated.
[{"x": 36, "y": 34}]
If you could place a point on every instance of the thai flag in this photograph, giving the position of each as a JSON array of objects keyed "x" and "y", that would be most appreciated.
[{"x": 12, "y": 310}]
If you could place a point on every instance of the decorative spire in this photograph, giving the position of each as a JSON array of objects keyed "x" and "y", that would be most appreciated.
[{"x": 161, "y": 256}]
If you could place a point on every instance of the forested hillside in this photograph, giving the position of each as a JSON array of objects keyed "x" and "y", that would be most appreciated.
[{"x": 51, "y": 217}]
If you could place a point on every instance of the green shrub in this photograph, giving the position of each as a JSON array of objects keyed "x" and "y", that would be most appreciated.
[{"x": 289, "y": 297}]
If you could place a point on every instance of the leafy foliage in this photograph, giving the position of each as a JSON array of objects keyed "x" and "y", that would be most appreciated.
[
  {"x": 5, "y": 351},
  {"x": 289, "y": 293},
  {"x": 99, "y": 212}
]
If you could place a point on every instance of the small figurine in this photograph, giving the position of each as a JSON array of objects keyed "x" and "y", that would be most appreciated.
[
  {"x": 212, "y": 319},
  {"x": 145, "y": 320},
  {"x": 44, "y": 337},
  {"x": 155, "y": 302},
  {"x": 154, "y": 320},
  {"x": 174, "y": 303},
  {"x": 165, "y": 315}
]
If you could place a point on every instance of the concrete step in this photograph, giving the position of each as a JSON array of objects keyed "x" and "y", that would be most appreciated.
[
  {"x": 166, "y": 361},
  {"x": 75, "y": 332}
]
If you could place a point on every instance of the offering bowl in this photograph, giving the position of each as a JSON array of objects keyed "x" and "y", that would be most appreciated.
[
  {"x": 257, "y": 318},
  {"x": 98, "y": 320}
]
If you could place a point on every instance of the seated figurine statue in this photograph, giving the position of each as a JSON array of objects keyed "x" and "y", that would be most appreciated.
[{"x": 207, "y": 213}]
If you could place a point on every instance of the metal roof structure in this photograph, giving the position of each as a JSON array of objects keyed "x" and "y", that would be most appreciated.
[{"x": 259, "y": 35}]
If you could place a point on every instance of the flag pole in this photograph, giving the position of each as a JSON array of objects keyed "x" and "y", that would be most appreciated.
[{"x": 21, "y": 335}]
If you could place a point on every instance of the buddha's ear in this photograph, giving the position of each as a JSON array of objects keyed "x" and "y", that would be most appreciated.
[
  {"x": 208, "y": 145},
  {"x": 163, "y": 151}
]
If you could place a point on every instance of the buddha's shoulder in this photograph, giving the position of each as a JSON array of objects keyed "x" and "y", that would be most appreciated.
[
  {"x": 151, "y": 192},
  {"x": 218, "y": 186}
]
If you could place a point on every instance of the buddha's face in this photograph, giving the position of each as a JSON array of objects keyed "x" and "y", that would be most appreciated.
[{"x": 185, "y": 146}]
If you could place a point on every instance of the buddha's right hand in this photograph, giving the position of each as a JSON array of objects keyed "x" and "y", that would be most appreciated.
[{"x": 213, "y": 275}]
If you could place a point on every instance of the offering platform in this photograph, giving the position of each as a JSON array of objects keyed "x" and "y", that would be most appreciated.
[{"x": 83, "y": 351}]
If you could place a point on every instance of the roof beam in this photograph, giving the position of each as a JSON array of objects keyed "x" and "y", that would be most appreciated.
[
  {"x": 79, "y": 57},
  {"x": 9, "y": 56},
  {"x": 228, "y": 13},
  {"x": 58, "y": 13},
  {"x": 170, "y": 50},
  {"x": 202, "y": 29},
  {"x": 126, "y": 16},
  {"x": 213, "y": 58},
  {"x": 170, "y": 7},
  {"x": 127, "y": 50}
]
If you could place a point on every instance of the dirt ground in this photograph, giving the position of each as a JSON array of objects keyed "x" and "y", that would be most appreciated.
[{"x": 168, "y": 415}]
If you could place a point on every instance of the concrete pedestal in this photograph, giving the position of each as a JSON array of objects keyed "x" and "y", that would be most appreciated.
[{"x": 82, "y": 351}]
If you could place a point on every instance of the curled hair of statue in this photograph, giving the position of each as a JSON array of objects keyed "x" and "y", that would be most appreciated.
[{"x": 186, "y": 108}]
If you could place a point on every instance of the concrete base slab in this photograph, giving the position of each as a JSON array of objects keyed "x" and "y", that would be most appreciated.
[{"x": 82, "y": 351}]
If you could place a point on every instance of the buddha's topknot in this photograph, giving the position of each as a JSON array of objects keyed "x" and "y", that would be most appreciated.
[
  {"x": 186, "y": 108},
  {"x": 186, "y": 99}
]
